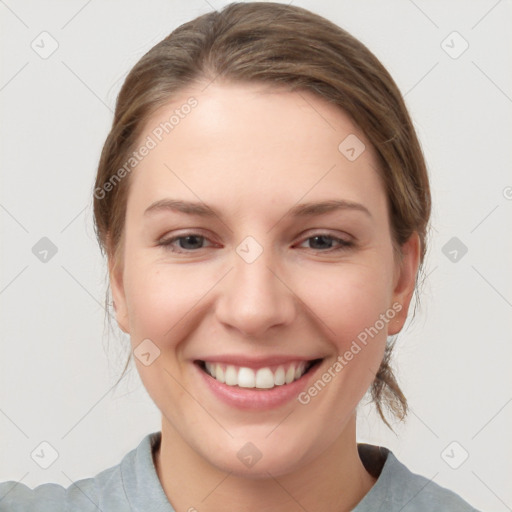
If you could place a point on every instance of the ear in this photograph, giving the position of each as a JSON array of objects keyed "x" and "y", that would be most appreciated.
[
  {"x": 405, "y": 282},
  {"x": 115, "y": 270}
]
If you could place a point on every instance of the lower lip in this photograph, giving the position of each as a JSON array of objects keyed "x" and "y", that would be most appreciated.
[{"x": 252, "y": 398}]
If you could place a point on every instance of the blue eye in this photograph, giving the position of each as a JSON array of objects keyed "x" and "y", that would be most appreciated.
[
  {"x": 191, "y": 242},
  {"x": 342, "y": 244}
]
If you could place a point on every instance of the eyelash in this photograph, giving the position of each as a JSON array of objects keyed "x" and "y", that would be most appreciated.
[{"x": 167, "y": 244}]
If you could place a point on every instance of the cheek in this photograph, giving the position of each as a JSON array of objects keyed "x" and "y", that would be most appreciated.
[
  {"x": 158, "y": 298},
  {"x": 348, "y": 299},
  {"x": 354, "y": 311},
  {"x": 343, "y": 299},
  {"x": 163, "y": 302}
]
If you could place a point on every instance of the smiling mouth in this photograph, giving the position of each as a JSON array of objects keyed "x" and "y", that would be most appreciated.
[{"x": 261, "y": 378}]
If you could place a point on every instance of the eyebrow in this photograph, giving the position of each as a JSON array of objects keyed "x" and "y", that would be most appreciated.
[{"x": 300, "y": 210}]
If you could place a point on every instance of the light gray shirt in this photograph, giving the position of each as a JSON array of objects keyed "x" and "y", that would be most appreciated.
[{"x": 133, "y": 486}]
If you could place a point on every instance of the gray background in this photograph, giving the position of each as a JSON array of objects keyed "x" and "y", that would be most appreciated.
[{"x": 58, "y": 366}]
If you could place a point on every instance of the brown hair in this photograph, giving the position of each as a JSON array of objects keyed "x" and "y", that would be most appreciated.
[{"x": 280, "y": 45}]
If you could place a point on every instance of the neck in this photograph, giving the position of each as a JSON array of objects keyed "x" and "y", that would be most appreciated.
[{"x": 335, "y": 481}]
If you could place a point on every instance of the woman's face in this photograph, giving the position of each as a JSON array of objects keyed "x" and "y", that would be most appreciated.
[{"x": 227, "y": 261}]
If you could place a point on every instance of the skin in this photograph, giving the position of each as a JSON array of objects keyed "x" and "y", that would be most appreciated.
[{"x": 252, "y": 153}]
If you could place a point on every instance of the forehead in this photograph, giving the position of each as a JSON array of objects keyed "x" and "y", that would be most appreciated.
[{"x": 241, "y": 141}]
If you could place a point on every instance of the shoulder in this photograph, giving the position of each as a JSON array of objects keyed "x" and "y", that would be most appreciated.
[
  {"x": 88, "y": 494},
  {"x": 50, "y": 497},
  {"x": 105, "y": 491},
  {"x": 398, "y": 488}
]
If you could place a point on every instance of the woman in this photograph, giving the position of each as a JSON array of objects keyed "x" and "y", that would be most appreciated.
[{"x": 263, "y": 203}]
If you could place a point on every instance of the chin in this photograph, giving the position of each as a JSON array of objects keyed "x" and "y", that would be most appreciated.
[{"x": 259, "y": 459}]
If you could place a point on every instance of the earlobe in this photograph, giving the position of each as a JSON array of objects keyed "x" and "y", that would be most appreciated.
[
  {"x": 118, "y": 295},
  {"x": 405, "y": 282}
]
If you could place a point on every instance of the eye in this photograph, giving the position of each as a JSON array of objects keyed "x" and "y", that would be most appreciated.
[
  {"x": 192, "y": 242},
  {"x": 321, "y": 239},
  {"x": 188, "y": 242}
]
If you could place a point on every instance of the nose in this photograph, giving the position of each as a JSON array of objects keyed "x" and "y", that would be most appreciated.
[{"x": 255, "y": 297}]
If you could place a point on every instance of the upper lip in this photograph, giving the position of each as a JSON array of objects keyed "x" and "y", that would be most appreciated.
[{"x": 256, "y": 362}]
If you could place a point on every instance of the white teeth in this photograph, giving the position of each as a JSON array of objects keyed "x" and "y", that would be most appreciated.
[
  {"x": 290, "y": 374},
  {"x": 231, "y": 376},
  {"x": 279, "y": 376},
  {"x": 300, "y": 370},
  {"x": 219, "y": 374},
  {"x": 246, "y": 378},
  {"x": 263, "y": 378}
]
